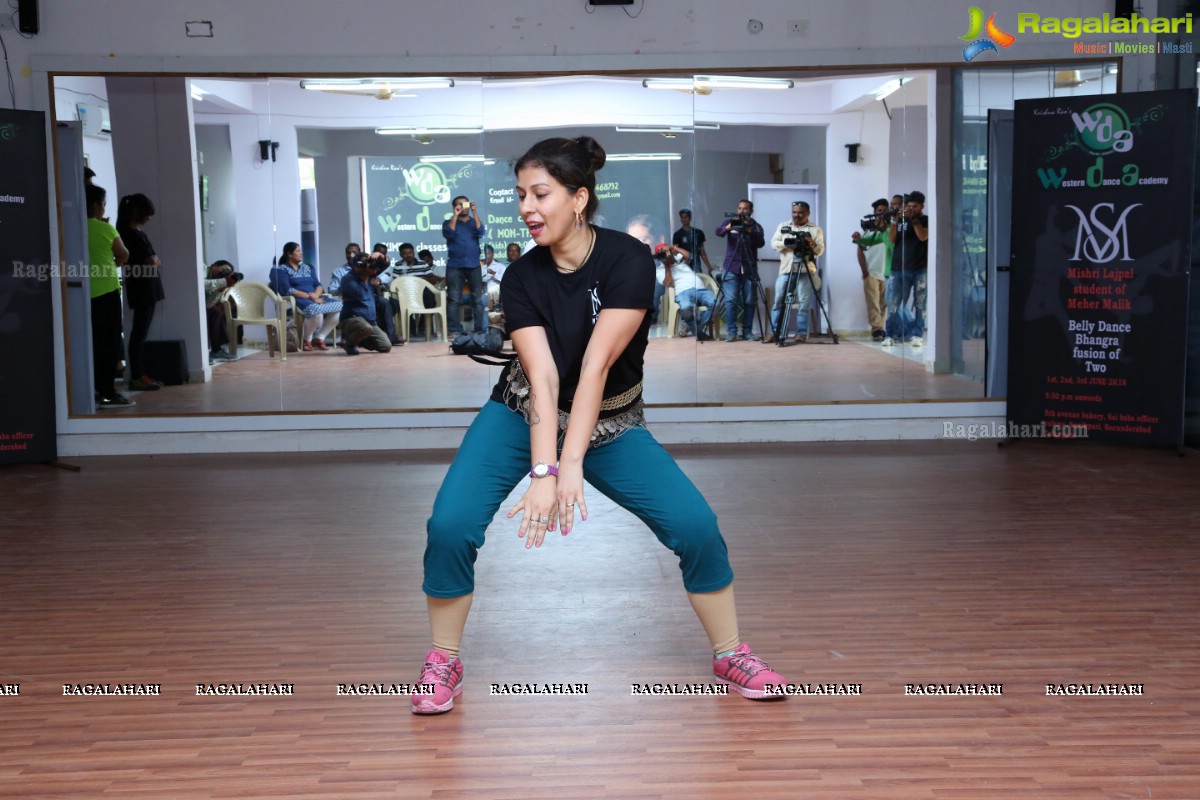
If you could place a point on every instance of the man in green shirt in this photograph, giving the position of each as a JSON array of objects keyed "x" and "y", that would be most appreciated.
[
  {"x": 875, "y": 261},
  {"x": 106, "y": 254}
]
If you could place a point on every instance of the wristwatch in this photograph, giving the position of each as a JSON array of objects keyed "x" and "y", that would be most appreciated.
[{"x": 541, "y": 469}]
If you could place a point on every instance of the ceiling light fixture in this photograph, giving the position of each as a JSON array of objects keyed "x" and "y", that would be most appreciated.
[
  {"x": 678, "y": 84},
  {"x": 653, "y": 129},
  {"x": 890, "y": 88},
  {"x": 373, "y": 85},
  {"x": 445, "y": 159},
  {"x": 429, "y": 131},
  {"x": 645, "y": 157},
  {"x": 735, "y": 82}
]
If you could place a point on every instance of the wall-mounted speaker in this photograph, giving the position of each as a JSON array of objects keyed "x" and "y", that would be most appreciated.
[{"x": 27, "y": 16}]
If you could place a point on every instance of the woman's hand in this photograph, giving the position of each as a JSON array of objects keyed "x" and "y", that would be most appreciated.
[
  {"x": 570, "y": 496},
  {"x": 540, "y": 507}
]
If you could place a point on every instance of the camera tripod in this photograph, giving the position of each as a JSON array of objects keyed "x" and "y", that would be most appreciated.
[{"x": 781, "y": 328}]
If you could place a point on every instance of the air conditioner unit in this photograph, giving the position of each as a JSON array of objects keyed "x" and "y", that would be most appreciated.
[{"x": 94, "y": 119}]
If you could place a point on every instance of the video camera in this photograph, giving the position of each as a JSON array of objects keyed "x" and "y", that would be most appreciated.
[
  {"x": 870, "y": 222},
  {"x": 799, "y": 241},
  {"x": 739, "y": 221}
]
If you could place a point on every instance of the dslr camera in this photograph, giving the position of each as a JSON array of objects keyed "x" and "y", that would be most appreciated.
[{"x": 227, "y": 272}]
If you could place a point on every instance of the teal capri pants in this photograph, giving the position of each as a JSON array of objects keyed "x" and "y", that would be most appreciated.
[{"x": 633, "y": 470}]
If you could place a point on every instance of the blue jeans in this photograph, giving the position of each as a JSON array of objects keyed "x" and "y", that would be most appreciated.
[
  {"x": 804, "y": 293},
  {"x": 456, "y": 278},
  {"x": 904, "y": 323},
  {"x": 633, "y": 470},
  {"x": 699, "y": 296},
  {"x": 739, "y": 296}
]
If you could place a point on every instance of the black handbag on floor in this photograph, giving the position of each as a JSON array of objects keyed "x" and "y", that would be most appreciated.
[{"x": 486, "y": 347}]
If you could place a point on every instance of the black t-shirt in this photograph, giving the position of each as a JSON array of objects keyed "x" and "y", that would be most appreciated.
[
  {"x": 691, "y": 241},
  {"x": 911, "y": 253},
  {"x": 142, "y": 282},
  {"x": 618, "y": 274}
]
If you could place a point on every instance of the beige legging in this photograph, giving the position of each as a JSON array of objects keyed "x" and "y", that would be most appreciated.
[{"x": 716, "y": 610}]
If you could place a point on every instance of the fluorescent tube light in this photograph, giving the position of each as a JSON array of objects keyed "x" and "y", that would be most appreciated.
[
  {"x": 375, "y": 84},
  {"x": 890, "y": 87},
  {"x": 429, "y": 131},
  {"x": 445, "y": 159},
  {"x": 735, "y": 82},
  {"x": 644, "y": 157}
]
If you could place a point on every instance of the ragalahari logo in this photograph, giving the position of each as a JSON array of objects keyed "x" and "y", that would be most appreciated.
[{"x": 995, "y": 35}]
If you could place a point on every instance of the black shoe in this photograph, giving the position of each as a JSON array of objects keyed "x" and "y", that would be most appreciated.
[
  {"x": 878, "y": 336},
  {"x": 350, "y": 349},
  {"x": 115, "y": 400},
  {"x": 703, "y": 337}
]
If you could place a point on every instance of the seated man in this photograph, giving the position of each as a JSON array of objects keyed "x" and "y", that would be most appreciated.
[
  {"x": 690, "y": 292},
  {"x": 493, "y": 272},
  {"x": 219, "y": 277},
  {"x": 357, "y": 319}
]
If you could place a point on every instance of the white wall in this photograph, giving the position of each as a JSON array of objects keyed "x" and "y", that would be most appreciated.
[{"x": 97, "y": 147}]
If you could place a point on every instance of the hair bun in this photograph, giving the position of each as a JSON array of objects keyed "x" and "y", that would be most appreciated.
[{"x": 595, "y": 153}]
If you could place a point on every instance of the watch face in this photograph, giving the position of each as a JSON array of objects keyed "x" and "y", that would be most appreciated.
[{"x": 540, "y": 470}]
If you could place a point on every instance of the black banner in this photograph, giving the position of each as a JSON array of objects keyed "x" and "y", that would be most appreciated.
[
  {"x": 1101, "y": 240},
  {"x": 407, "y": 200},
  {"x": 27, "y": 432}
]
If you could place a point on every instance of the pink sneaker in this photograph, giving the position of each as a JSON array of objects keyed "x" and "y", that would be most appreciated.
[
  {"x": 442, "y": 676},
  {"x": 747, "y": 674}
]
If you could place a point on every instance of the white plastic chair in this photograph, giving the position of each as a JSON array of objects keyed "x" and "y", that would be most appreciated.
[
  {"x": 409, "y": 291},
  {"x": 250, "y": 299}
]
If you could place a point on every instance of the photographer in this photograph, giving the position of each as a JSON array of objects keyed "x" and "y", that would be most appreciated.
[
  {"x": 909, "y": 232},
  {"x": 875, "y": 260},
  {"x": 386, "y": 306},
  {"x": 463, "y": 232},
  {"x": 673, "y": 272},
  {"x": 800, "y": 243},
  {"x": 219, "y": 277},
  {"x": 357, "y": 319},
  {"x": 743, "y": 237}
]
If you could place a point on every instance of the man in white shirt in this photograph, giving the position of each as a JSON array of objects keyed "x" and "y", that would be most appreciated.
[
  {"x": 799, "y": 243},
  {"x": 493, "y": 271},
  {"x": 673, "y": 272}
]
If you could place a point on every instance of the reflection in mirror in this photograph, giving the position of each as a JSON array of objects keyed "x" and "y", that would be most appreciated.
[
  {"x": 981, "y": 304},
  {"x": 262, "y": 163}
]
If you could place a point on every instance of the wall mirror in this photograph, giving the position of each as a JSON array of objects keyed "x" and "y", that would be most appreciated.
[{"x": 239, "y": 166}]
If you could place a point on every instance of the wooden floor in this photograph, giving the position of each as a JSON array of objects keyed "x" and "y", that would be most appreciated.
[
  {"x": 880, "y": 564},
  {"x": 423, "y": 375}
]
